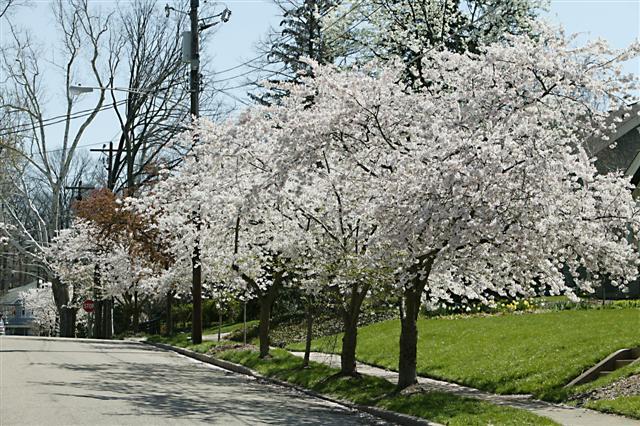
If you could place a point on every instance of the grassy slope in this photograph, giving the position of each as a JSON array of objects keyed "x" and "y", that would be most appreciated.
[
  {"x": 436, "y": 406},
  {"x": 228, "y": 328},
  {"x": 614, "y": 376},
  {"x": 625, "y": 405},
  {"x": 182, "y": 340},
  {"x": 531, "y": 353}
]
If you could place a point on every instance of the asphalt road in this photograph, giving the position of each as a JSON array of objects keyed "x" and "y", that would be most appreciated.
[{"x": 46, "y": 381}]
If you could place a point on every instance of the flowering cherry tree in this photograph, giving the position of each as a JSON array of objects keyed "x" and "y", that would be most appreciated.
[
  {"x": 5, "y": 232},
  {"x": 71, "y": 256},
  {"x": 475, "y": 187},
  {"x": 39, "y": 301},
  {"x": 478, "y": 186},
  {"x": 245, "y": 242}
]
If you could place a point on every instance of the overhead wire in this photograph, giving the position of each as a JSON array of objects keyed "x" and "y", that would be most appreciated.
[
  {"x": 59, "y": 119},
  {"x": 282, "y": 39}
]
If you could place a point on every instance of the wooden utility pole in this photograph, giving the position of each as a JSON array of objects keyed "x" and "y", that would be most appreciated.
[
  {"x": 104, "y": 307},
  {"x": 111, "y": 181},
  {"x": 194, "y": 86}
]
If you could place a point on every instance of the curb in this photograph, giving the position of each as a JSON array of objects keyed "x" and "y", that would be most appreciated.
[
  {"x": 73, "y": 339},
  {"x": 397, "y": 418}
]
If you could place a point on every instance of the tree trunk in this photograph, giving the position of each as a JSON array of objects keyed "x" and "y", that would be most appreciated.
[
  {"x": 67, "y": 322},
  {"x": 409, "y": 339},
  {"x": 169, "y": 329},
  {"x": 219, "y": 323},
  {"x": 61, "y": 298},
  {"x": 99, "y": 318},
  {"x": 350, "y": 315},
  {"x": 307, "y": 346},
  {"x": 349, "y": 342},
  {"x": 108, "y": 318},
  {"x": 412, "y": 299},
  {"x": 265, "y": 324},
  {"x": 136, "y": 312}
]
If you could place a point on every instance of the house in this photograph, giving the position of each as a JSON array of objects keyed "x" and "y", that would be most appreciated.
[
  {"x": 621, "y": 152},
  {"x": 17, "y": 319}
]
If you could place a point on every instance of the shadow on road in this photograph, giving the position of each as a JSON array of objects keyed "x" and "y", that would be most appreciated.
[{"x": 177, "y": 389}]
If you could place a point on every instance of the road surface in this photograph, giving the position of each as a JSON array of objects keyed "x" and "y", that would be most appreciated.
[{"x": 47, "y": 381}]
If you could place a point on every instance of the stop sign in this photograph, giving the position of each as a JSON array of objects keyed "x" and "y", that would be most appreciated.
[{"x": 87, "y": 305}]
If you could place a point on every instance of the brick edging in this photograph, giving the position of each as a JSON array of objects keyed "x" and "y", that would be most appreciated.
[{"x": 398, "y": 418}]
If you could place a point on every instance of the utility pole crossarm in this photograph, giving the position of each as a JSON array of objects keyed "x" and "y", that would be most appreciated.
[{"x": 80, "y": 188}]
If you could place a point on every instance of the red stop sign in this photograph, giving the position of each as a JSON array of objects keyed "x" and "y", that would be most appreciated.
[{"x": 87, "y": 305}]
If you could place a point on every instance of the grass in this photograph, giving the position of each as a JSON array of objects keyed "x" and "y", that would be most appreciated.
[
  {"x": 228, "y": 328},
  {"x": 624, "y": 405},
  {"x": 182, "y": 340},
  {"x": 612, "y": 377},
  {"x": 526, "y": 353},
  {"x": 367, "y": 390}
]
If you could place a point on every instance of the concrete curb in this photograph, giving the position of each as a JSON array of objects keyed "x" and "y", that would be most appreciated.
[
  {"x": 391, "y": 416},
  {"x": 73, "y": 339}
]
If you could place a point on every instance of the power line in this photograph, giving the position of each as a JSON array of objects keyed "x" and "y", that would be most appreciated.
[
  {"x": 283, "y": 39},
  {"x": 77, "y": 147},
  {"x": 236, "y": 98},
  {"x": 59, "y": 119}
]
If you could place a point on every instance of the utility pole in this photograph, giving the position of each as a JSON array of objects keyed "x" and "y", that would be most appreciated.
[
  {"x": 79, "y": 188},
  {"x": 193, "y": 58},
  {"x": 110, "y": 179},
  {"x": 194, "y": 86},
  {"x": 103, "y": 328}
]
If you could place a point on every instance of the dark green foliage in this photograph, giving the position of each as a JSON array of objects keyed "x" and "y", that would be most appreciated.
[{"x": 301, "y": 35}]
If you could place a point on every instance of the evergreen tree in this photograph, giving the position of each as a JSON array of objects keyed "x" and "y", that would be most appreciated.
[{"x": 301, "y": 35}]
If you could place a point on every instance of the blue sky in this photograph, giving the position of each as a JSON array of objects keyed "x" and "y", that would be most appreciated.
[{"x": 617, "y": 21}]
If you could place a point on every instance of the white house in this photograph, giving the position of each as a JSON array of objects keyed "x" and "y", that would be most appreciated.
[{"x": 17, "y": 319}]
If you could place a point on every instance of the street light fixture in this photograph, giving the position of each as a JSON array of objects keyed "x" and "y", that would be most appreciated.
[{"x": 79, "y": 89}]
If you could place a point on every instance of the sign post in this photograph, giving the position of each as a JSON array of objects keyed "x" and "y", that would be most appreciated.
[{"x": 89, "y": 307}]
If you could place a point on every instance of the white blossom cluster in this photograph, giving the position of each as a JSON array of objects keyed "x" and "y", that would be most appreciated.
[
  {"x": 478, "y": 185},
  {"x": 5, "y": 232},
  {"x": 40, "y": 304}
]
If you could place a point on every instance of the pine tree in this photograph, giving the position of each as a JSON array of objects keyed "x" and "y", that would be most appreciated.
[{"x": 301, "y": 35}]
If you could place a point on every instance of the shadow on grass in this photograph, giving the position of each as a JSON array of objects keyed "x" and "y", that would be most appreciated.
[{"x": 441, "y": 407}]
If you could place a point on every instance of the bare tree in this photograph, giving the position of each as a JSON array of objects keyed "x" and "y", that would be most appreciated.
[
  {"x": 7, "y": 6},
  {"x": 49, "y": 161},
  {"x": 156, "y": 107}
]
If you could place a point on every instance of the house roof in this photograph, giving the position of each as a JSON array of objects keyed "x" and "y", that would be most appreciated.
[
  {"x": 12, "y": 296},
  {"x": 625, "y": 155}
]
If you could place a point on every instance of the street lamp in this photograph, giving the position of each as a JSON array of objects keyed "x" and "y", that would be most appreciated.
[{"x": 79, "y": 89}]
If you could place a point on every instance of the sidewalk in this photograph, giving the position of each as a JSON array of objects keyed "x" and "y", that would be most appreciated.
[
  {"x": 214, "y": 337},
  {"x": 563, "y": 414}
]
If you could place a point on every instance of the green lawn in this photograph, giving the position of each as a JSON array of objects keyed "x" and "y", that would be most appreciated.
[
  {"x": 182, "y": 340},
  {"x": 625, "y": 405},
  {"x": 436, "y": 406},
  {"x": 228, "y": 328},
  {"x": 519, "y": 353},
  {"x": 614, "y": 376}
]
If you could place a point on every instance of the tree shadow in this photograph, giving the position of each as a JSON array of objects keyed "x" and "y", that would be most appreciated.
[{"x": 172, "y": 389}]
